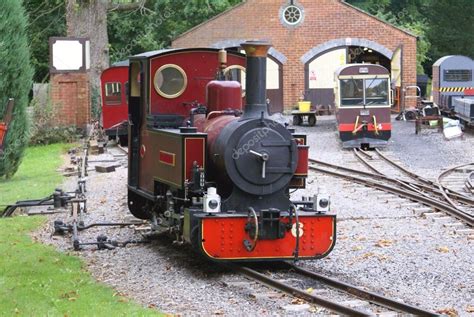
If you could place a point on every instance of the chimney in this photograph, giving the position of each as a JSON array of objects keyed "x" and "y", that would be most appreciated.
[{"x": 256, "y": 79}]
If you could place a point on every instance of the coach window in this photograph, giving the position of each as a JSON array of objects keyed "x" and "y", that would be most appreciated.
[
  {"x": 458, "y": 75},
  {"x": 376, "y": 91},
  {"x": 113, "y": 93},
  {"x": 170, "y": 81},
  {"x": 352, "y": 92}
]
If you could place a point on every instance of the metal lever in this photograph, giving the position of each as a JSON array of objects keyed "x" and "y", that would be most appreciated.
[{"x": 264, "y": 157}]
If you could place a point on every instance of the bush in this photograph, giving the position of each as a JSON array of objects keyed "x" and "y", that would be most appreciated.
[
  {"x": 44, "y": 132},
  {"x": 15, "y": 82}
]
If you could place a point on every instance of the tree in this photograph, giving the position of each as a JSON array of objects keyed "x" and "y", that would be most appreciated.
[
  {"x": 452, "y": 30},
  {"x": 88, "y": 18},
  {"x": 45, "y": 19},
  {"x": 15, "y": 81},
  {"x": 156, "y": 24}
]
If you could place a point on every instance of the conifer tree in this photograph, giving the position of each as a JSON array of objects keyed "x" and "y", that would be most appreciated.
[{"x": 15, "y": 81}]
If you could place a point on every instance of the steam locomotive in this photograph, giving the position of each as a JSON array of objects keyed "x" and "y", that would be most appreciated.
[{"x": 215, "y": 175}]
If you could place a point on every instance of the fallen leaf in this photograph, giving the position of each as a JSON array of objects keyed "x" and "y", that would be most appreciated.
[
  {"x": 357, "y": 248},
  {"x": 297, "y": 301},
  {"x": 384, "y": 243},
  {"x": 451, "y": 312},
  {"x": 309, "y": 290},
  {"x": 367, "y": 255},
  {"x": 219, "y": 312},
  {"x": 442, "y": 249}
]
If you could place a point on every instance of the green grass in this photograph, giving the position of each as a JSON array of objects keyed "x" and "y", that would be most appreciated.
[
  {"x": 37, "y": 177},
  {"x": 36, "y": 280}
]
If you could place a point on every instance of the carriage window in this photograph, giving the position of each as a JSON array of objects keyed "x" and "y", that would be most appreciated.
[
  {"x": 113, "y": 93},
  {"x": 352, "y": 92},
  {"x": 376, "y": 91},
  {"x": 170, "y": 81},
  {"x": 458, "y": 75}
]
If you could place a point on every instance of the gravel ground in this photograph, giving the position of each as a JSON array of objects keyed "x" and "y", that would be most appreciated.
[{"x": 381, "y": 244}]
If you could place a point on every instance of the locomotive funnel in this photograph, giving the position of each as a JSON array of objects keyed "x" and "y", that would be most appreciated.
[{"x": 256, "y": 79}]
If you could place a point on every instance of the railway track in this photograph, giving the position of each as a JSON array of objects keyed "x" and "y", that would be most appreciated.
[
  {"x": 404, "y": 184},
  {"x": 426, "y": 187},
  {"x": 371, "y": 301}
]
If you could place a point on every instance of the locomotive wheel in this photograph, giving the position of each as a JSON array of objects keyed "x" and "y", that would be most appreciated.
[
  {"x": 137, "y": 206},
  {"x": 312, "y": 120},
  {"x": 297, "y": 120}
]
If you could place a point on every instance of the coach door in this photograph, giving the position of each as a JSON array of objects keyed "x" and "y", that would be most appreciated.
[
  {"x": 396, "y": 78},
  {"x": 319, "y": 77},
  {"x": 135, "y": 117}
]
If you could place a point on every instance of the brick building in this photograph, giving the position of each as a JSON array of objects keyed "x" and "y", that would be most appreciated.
[
  {"x": 310, "y": 38},
  {"x": 70, "y": 97}
]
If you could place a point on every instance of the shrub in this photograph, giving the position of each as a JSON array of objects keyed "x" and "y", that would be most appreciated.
[
  {"x": 15, "y": 81},
  {"x": 43, "y": 130}
]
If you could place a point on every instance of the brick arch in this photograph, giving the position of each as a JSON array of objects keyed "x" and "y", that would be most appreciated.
[
  {"x": 277, "y": 55},
  {"x": 318, "y": 50}
]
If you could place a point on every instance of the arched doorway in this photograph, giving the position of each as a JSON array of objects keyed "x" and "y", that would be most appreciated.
[{"x": 322, "y": 61}]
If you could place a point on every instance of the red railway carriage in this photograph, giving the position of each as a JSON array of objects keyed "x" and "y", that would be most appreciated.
[
  {"x": 363, "y": 102},
  {"x": 114, "y": 86},
  {"x": 212, "y": 173}
]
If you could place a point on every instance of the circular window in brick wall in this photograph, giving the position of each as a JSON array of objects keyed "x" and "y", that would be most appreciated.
[{"x": 291, "y": 14}]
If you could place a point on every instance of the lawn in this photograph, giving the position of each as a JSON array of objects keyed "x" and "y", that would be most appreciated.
[
  {"x": 35, "y": 279},
  {"x": 36, "y": 177}
]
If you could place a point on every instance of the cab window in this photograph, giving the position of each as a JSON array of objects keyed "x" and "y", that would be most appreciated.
[
  {"x": 352, "y": 92},
  {"x": 170, "y": 81},
  {"x": 113, "y": 93},
  {"x": 376, "y": 91}
]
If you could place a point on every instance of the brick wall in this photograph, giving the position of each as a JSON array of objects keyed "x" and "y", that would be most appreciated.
[
  {"x": 70, "y": 97},
  {"x": 325, "y": 20}
]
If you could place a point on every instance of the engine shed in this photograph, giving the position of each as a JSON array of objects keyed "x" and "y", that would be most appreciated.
[{"x": 311, "y": 40}]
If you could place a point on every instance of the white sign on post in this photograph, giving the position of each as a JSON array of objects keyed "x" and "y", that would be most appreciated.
[{"x": 69, "y": 54}]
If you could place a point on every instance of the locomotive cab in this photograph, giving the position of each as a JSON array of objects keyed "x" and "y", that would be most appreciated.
[{"x": 363, "y": 103}]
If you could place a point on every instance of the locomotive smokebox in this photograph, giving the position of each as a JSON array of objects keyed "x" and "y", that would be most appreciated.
[{"x": 256, "y": 79}]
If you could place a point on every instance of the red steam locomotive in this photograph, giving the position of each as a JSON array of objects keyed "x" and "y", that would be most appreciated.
[
  {"x": 114, "y": 86},
  {"x": 211, "y": 173}
]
